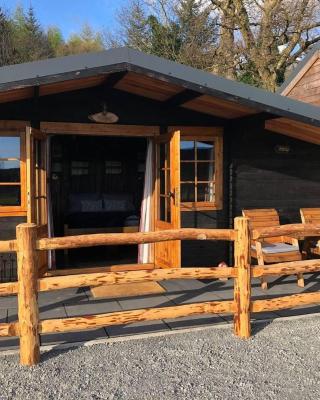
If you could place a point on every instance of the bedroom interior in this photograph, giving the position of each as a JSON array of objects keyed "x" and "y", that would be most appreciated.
[{"x": 96, "y": 186}]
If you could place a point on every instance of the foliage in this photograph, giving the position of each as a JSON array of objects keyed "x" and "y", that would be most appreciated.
[{"x": 253, "y": 41}]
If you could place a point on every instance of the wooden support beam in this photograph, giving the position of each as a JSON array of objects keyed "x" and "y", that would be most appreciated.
[
  {"x": 28, "y": 310},
  {"x": 115, "y": 278},
  {"x": 280, "y": 303},
  {"x": 112, "y": 80},
  {"x": 242, "y": 284},
  {"x": 299, "y": 230},
  {"x": 111, "y": 239},
  {"x": 181, "y": 98},
  {"x": 89, "y": 129},
  {"x": 126, "y": 317}
]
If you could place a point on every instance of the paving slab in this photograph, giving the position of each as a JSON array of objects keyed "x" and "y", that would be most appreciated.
[
  {"x": 137, "y": 328},
  {"x": 193, "y": 297},
  {"x": 3, "y": 315},
  {"x": 8, "y": 302},
  {"x": 145, "y": 302},
  {"x": 91, "y": 307},
  {"x": 62, "y": 296}
]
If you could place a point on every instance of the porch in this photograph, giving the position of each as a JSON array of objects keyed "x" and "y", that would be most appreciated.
[{"x": 79, "y": 301}]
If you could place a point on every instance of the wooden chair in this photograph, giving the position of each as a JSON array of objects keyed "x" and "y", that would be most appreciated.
[
  {"x": 311, "y": 216},
  {"x": 275, "y": 249}
]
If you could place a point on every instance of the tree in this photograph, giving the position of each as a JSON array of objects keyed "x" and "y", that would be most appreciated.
[
  {"x": 6, "y": 43},
  {"x": 30, "y": 41},
  {"x": 253, "y": 31},
  {"x": 85, "y": 42},
  {"x": 181, "y": 31},
  {"x": 55, "y": 40}
]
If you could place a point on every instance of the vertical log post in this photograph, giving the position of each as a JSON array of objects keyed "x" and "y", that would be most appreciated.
[
  {"x": 242, "y": 284},
  {"x": 28, "y": 311}
]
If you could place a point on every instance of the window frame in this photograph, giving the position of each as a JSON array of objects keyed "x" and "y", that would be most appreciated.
[
  {"x": 21, "y": 210},
  {"x": 216, "y": 136}
]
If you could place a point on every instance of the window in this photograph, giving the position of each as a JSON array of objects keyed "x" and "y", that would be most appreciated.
[
  {"x": 113, "y": 167},
  {"x": 12, "y": 173},
  {"x": 201, "y": 172},
  {"x": 79, "y": 168}
]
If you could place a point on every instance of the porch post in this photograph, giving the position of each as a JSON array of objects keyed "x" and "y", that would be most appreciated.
[
  {"x": 28, "y": 310},
  {"x": 242, "y": 283}
]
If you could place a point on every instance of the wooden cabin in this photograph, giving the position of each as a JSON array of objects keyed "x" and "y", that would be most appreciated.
[
  {"x": 304, "y": 81},
  {"x": 184, "y": 148}
]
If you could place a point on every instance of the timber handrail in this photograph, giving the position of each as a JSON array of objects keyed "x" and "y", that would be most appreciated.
[
  {"x": 286, "y": 230},
  {"x": 111, "y": 239}
]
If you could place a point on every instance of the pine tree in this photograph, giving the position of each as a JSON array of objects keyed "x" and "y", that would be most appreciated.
[
  {"x": 6, "y": 43},
  {"x": 31, "y": 42}
]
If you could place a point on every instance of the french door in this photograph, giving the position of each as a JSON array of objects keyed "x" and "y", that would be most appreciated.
[
  {"x": 36, "y": 146},
  {"x": 167, "y": 196}
]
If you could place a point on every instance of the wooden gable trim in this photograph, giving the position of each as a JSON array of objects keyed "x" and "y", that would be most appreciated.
[
  {"x": 294, "y": 129},
  {"x": 286, "y": 91},
  {"x": 70, "y": 128}
]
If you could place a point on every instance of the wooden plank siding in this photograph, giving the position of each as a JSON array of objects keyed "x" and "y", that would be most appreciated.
[
  {"x": 306, "y": 85},
  {"x": 255, "y": 175}
]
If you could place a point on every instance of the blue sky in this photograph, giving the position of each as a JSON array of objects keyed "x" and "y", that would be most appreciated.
[{"x": 70, "y": 15}]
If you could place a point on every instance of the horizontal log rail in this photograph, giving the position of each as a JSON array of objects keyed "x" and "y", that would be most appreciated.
[
  {"x": 126, "y": 317},
  {"x": 114, "y": 278},
  {"x": 8, "y": 246},
  {"x": 286, "y": 268},
  {"x": 9, "y": 329},
  {"x": 283, "y": 302},
  {"x": 300, "y": 230},
  {"x": 111, "y": 239}
]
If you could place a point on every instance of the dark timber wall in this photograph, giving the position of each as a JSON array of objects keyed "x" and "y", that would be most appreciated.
[
  {"x": 263, "y": 177},
  {"x": 255, "y": 174}
]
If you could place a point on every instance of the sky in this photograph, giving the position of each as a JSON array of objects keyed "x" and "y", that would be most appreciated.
[{"x": 70, "y": 15}]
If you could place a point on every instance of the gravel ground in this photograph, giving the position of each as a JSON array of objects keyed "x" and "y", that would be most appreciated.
[{"x": 281, "y": 361}]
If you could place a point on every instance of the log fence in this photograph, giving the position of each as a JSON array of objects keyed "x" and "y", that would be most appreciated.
[{"x": 29, "y": 244}]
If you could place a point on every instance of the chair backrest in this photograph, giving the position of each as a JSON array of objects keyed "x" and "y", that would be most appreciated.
[
  {"x": 262, "y": 218},
  {"x": 310, "y": 215}
]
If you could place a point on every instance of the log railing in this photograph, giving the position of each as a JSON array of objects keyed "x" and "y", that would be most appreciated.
[{"x": 28, "y": 245}]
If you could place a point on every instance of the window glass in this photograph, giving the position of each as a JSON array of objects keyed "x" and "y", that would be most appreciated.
[
  {"x": 197, "y": 171},
  {"x": 187, "y": 171},
  {"x": 187, "y": 149},
  {"x": 10, "y": 195},
  {"x": 205, "y": 192},
  {"x": 10, "y": 171},
  {"x": 205, "y": 171},
  {"x": 9, "y": 147},
  {"x": 205, "y": 151},
  {"x": 187, "y": 192}
]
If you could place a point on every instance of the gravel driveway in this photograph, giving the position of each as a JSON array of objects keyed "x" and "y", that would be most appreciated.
[{"x": 280, "y": 362}]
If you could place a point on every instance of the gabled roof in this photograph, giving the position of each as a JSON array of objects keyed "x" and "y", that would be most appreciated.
[
  {"x": 215, "y": 92},
  {"x": 299, "y": 70}
]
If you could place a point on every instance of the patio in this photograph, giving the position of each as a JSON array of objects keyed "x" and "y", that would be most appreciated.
[{"x": 78, "y": 302}]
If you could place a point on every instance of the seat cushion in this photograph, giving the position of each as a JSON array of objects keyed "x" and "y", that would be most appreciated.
[{"x": 275, "y": 248}]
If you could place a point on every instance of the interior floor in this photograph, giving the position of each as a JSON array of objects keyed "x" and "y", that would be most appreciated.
[{"x": 96, "y": 185}]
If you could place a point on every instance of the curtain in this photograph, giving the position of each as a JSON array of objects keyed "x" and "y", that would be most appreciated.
[{"x": 144, "y": 250}]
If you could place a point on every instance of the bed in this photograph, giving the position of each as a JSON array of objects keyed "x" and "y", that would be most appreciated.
[{"x": 94, "y": 213}]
